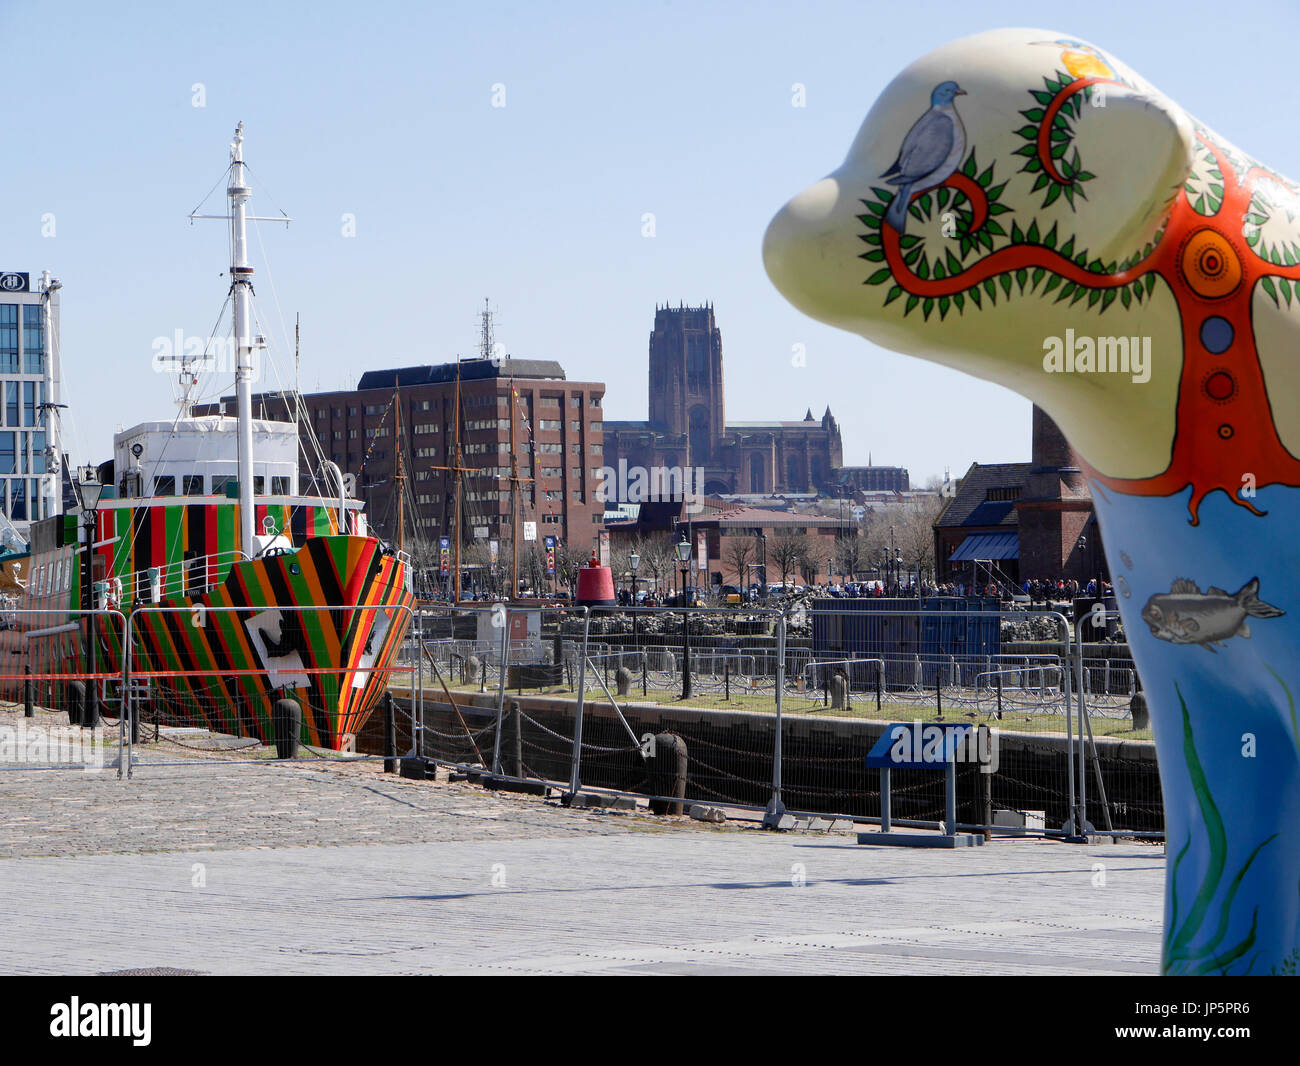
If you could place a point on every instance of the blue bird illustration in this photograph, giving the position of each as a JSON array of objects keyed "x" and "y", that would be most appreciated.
[{"x": 931, "y": 151}]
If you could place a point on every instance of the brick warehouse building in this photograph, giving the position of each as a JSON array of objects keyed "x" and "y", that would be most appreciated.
[
  {"x": 558, "y": 438},
  {"x": 687, "y": 424},
  {"x": 1032, "y": 520}
]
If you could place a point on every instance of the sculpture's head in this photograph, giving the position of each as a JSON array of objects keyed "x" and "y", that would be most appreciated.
[{"x": 1022, "y": 206}]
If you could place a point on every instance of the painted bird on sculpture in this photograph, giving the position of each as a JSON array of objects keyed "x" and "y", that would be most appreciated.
[{"x": 931, "y": 151}]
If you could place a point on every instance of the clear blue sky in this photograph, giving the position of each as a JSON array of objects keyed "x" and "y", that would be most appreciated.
[{"x": 383, "y": 110}]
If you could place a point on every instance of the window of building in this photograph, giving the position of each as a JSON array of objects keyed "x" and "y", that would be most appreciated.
[
  {"x": 549, "y": 423},
  {"x": 11, "y": 403},
  {"x": 1002, "y": 492},
  {"x": 575, "y": 426},
  {"x": 164, "y": 485},
  {"x": 33, "y": 340},
  {"x": 6, "y": 453},
  {"x": 192, "y": 484},
  {"x": 31, "y": 399},
  {"x": 220, "y": 482},
  {"x": 595, "y": 401},
  {"x": 597, "y": 449},
  {"x": 577, "y": 473},
  {"x": 598, "y": 427},
  {"x": 9, "y": 338},
  {"x": 575, "y": 402}
]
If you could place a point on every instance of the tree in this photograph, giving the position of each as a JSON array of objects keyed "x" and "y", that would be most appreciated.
[
  {"x": 915, "y": 533},
  {"x": 568, "y": 561},
  {"x": 658, "y": 558},
  {"x": 850, "y": 553},
  {"x": 737, "y": 556},
  {"x": 787, "y": 550}
]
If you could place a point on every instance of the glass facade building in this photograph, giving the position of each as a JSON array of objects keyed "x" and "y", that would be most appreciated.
[{"x": 24, "y": 348}]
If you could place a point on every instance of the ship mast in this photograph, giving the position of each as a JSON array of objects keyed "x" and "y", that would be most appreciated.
[
  {"x": 241, "y": 297},
  {"x": 241, "y": 284},
  {"x": 400, "y": 476},
  {"x": 456, "y": 516}
]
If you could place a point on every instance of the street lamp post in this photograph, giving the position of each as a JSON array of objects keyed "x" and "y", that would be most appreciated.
[
  {"x": 683, "y": 557},
  {"x": 634, "y": 561},
  {"x": 89, "y": 490}
]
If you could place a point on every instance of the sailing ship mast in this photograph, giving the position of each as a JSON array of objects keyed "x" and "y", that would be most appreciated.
[
  {"x": 514, "y": 501},
  {"x": 400, "y": 477},
  {"x": 456, "y": 515}
]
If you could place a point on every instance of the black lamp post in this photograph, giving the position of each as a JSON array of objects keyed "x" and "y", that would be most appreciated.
[
  {"x": 683, "y": 557},
  {"x": 89, "y": 490},
  {"x": 634, "y": 562}
]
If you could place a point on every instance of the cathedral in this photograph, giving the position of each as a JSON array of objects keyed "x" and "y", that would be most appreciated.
[{"x": 687, "y": 427}]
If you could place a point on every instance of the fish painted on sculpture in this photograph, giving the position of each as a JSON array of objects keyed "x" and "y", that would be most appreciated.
[{"x": 1186, "y": 615}]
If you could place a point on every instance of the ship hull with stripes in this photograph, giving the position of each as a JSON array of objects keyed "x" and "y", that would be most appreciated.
[{"x": 215, "y": 639}]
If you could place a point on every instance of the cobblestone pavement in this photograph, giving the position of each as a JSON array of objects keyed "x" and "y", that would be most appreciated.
[{"x": 224, "y": 867}]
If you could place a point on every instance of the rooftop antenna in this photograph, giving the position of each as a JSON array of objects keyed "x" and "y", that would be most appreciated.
[{"x": 487, "y": 335}]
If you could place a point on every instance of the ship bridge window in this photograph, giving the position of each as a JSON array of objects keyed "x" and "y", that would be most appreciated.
[
  {"x": 279, "y": 486},
  {"x": 259, "y": 485},
  {"x": 164, "y": 485},
  {"x": 219, "y": 483},
  {"x": 192, "y": 484}
]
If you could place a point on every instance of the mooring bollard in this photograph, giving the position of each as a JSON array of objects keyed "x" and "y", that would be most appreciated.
[
  {"x": 76, "y": 701},
  {"x": 286, "y": 719},
  {"x": 668, "y": 778},
  {"x": 517, "y": 738},
  {"x": 390, "y": 734}
]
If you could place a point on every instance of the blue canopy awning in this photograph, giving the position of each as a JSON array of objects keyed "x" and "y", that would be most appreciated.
[{"x": 987, "y": 546}]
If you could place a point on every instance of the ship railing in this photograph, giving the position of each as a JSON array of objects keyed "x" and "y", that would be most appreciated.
[{"x": 187, "y": 577}]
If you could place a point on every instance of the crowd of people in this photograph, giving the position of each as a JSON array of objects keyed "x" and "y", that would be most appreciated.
[{"x": 1044, "y": 590}]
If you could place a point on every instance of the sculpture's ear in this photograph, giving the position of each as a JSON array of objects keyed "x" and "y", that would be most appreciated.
[{"x": 1138, "y": 147}]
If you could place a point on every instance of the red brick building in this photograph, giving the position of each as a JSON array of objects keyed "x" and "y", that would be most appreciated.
[
  {"x": 1029, "y": 520},
  {"x": 558, "y": 440}
]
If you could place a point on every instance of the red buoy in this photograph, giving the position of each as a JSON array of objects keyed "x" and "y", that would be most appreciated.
[{"x": 595, "y": 585}]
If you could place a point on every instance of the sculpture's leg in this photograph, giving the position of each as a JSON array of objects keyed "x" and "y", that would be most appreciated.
[{"x": 1223, "y": 686}]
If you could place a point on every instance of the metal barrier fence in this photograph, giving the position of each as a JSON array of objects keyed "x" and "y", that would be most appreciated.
[
  {"x": 581, "y": 707},
  {"x": 766, "y": 714}
]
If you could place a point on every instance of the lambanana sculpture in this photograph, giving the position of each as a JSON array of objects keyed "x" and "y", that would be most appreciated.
[{"x": 1024, "y": 207}]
